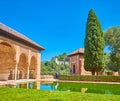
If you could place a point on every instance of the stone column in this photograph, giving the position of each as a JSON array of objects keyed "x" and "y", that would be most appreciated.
[
  {"x": 29, "y": 58},
  {"x": 17, "y": 74},
  {"x": 17, "y": 60},
  {"x": 38, "y": 66}
]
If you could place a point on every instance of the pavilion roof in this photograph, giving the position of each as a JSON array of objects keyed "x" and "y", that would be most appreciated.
[
  {"x": 76, "y": 52},
  {"x": 16, "y": 36}
]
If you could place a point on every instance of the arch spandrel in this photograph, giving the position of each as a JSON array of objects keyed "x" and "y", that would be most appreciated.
[{"x": 24, "y": 50}]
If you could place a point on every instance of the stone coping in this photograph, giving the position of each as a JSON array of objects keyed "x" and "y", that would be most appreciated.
[{"x": 13, "y": 82}]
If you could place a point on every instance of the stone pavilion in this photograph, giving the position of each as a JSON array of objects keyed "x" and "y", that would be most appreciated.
[
  {"x": 77, "y": 62},
  {"x": 19, "y": 56}
]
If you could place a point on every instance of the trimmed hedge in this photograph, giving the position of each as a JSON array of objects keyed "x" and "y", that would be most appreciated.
[
  {"x": 47, "y": 73},
  {"x": 90, "y": 78}
]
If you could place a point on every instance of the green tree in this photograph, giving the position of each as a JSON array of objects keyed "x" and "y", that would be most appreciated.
[
  {"x": 51, "y": 67},
  {"x": 94, "y": 45},
  {"x": 112, "y": 40},
  {"x": 115, "y": 61},
  {"x": 107, "y": 61},
  {"x": 62, "y": 57}
]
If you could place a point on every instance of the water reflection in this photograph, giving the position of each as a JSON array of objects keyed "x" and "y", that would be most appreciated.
[
  {"x": 36, "y": 85},
  {"x": 56, "y": 86},
  {"x": 28, "y": 85}
]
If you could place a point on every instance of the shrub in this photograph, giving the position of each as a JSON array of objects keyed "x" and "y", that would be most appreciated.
[{"x": 90, "y": 78}]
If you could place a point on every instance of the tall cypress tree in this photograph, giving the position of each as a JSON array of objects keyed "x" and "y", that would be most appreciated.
[{"x": 94, "y": 45}]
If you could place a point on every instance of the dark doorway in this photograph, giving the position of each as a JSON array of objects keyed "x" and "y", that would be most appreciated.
[{"x": 73, "y": 68}]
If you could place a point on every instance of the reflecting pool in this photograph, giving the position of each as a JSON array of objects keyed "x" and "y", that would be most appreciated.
[{"x": 74, "y": 87}]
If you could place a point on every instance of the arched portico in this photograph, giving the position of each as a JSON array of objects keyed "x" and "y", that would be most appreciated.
[{"x": 18, "y": 55}]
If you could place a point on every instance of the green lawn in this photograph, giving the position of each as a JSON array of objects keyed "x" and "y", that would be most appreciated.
[
  {"x": 91, "y": 87},
  {"x": 14, "y": 94}
]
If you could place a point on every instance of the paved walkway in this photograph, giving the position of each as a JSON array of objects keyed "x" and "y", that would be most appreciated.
[
  {"x": 13, "y": 82},
  {"x": 90, "y": 82}
]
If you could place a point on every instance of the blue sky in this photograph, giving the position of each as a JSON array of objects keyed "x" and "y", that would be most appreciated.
[{"x": 57, "y": 25}]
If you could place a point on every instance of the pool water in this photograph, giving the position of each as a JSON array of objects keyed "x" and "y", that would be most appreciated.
[
  {"x": 34, "y": 85},
  {"x": 46, "y": 87},
  {"x": 107, "y": 89}
]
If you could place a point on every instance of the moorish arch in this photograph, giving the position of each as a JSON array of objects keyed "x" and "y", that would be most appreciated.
[
  {"x": 22, "y": 66},
  {"x": 33, "y": 67},
  {"x": 18, "y": 55},
  {"x": 7, "y": 60}
]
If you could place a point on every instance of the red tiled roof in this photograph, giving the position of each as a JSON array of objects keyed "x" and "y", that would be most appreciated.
[
  {"x": 78, "y": 51},
  {"x": 20, "y": 36}
]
